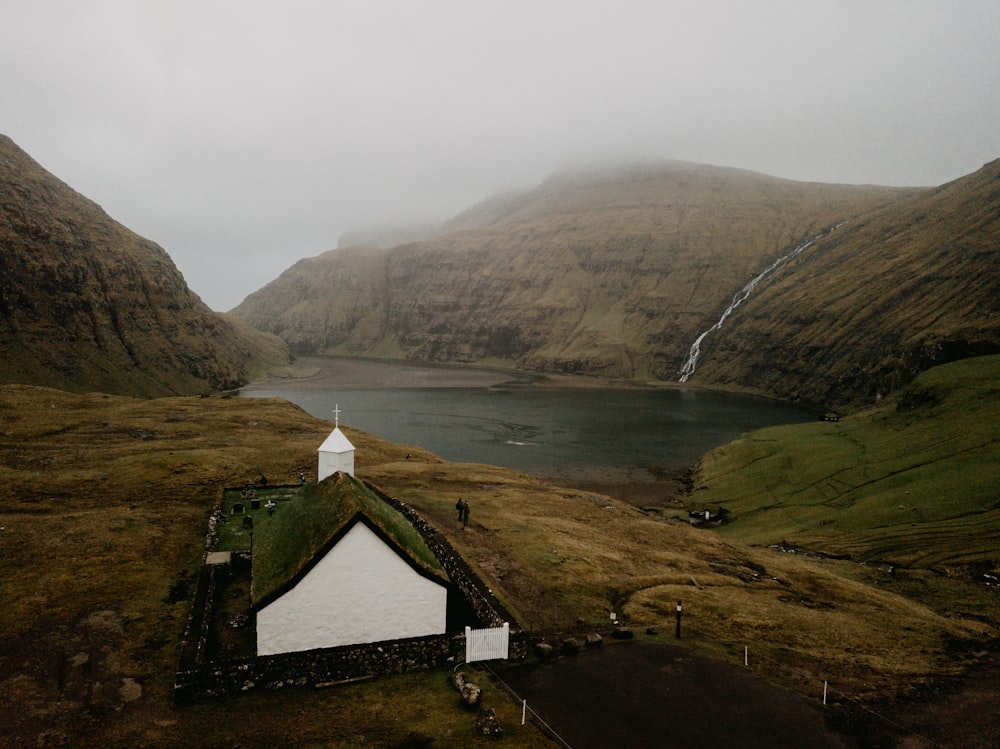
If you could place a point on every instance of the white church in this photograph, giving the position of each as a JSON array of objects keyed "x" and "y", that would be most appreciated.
[{"x": 360, "y": 574}]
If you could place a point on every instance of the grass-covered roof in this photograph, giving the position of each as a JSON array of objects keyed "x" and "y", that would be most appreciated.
[{"x": 288, "y": 543}]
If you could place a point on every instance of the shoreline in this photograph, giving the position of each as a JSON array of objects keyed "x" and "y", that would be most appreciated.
[
  {"x": 325, "y": 371},
  {"x": 321, "y": 372}
]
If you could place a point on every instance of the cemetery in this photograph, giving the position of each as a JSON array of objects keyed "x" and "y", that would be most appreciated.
[{"x": 330, "y": 581}]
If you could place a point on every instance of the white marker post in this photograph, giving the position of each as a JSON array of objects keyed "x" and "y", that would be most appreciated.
[
  {"x": 746, "y": 656},
  {"x": 524, "y": 710},
  {"x": 824, "y": 692}
]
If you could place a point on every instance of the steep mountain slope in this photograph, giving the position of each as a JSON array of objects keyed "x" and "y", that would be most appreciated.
[
  {"x": 885, "y": 297},
  {"x": 602, "y": 272},
  {"x": 85, "y": 304}
]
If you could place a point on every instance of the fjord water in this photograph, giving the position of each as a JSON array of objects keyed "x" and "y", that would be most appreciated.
[{"x": 580, "y": 432}]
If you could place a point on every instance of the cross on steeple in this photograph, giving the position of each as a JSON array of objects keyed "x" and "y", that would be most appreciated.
[{"x": 336, "y": 414}]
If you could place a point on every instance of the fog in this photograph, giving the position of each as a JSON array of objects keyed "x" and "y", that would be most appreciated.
[{"x": 243, "y": 136}]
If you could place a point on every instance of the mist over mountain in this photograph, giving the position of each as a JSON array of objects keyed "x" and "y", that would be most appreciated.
[
  {"x": 88, "y": 305},
  {"x": 609, "y": 271}
]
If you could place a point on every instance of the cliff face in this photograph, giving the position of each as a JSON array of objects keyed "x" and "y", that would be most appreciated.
[
  {"x": 605, "y": 273},
  {"x": 87, "y": 305},
  {"x": 865, "y": 309}
]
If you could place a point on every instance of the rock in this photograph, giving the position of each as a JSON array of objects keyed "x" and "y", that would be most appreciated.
[
  {"x": 105, "y": 621},
  {"x": 652, "y": 631},
  {"x": 130, "y": 690},
  {"x": 594, "y": 640},
  {"x": 487, "y": 723},
  {"x": 573, "y": 645},
  {"x": 471, "y": 693},
  {"x": 544, "y": 650},
  {"x": 623, "y": 633},
  {"x": 79, "y": 659}
]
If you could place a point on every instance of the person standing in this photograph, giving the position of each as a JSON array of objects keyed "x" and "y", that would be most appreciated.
[
  {"x": 460, "y": 506},
  {"x": 465, "y": 513}
]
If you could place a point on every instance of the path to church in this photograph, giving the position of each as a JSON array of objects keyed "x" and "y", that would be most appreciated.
[{"x": 649, "y": 695}]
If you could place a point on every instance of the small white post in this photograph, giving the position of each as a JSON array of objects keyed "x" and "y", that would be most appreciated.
[
  {"x": 746, "y": 655},
  {"x": 524, "y": 710},
  {"x": 824, "y": 692}
]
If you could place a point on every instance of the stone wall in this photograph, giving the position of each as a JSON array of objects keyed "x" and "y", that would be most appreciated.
[
  {"x": 486, "y": 605},
  {"x": 195, "y": 644},
  {"x": 319, "y": 667}
]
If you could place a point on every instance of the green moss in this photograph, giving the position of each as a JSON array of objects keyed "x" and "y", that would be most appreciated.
[{"x": 284, "y": 543}]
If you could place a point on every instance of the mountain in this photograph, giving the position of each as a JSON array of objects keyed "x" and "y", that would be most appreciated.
[
  {"x": 870, "y": 306},
  {"x": 610, "y": 272},
  {"x": 87, "y": 305}
]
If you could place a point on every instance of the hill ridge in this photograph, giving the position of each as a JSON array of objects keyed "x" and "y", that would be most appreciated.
[{"x": 87, "y": 304}]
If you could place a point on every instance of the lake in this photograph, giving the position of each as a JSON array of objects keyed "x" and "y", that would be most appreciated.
[{"x": 582, "y": 433}]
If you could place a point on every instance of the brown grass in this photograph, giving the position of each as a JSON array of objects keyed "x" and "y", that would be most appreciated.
[
  {"x": 105, "y": 502},
  {"x": 557, "y": 556}
]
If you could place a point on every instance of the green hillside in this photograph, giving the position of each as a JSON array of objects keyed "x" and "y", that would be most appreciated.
[{"x": 915, "y": 483}]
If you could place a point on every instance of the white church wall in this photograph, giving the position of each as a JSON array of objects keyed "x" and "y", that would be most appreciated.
[
  {"x": 361, "y": 591},
  {"x": 330, "y": 463}
]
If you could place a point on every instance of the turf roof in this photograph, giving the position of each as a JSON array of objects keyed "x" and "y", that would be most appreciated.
[{"x": 303, "y": 529}]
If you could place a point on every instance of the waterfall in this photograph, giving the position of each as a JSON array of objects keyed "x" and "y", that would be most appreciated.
[{"x": 691, "y": 362}]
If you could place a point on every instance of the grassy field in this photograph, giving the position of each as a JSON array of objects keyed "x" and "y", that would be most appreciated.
[
  {"x": 105, "y": 504},
  {"x": 915, "y": 484},
  {"x": 105, "y": 508}
]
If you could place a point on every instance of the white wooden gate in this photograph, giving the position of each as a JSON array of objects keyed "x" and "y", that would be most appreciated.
[{"x": 487, "y": 644}]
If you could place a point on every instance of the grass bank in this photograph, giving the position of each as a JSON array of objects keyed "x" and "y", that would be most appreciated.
[{"x": 913, "y": 484}]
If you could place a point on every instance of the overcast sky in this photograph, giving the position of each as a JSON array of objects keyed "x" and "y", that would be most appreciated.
[{"x": 245, "y": 135}]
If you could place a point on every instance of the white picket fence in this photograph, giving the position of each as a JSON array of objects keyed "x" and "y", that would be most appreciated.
[{"x": 488, "y": 644}]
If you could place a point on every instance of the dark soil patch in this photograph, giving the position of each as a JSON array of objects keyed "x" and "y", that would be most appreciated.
[
  {"x": 663, "y": 487},
  {"x": 644, "y": 694}
]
